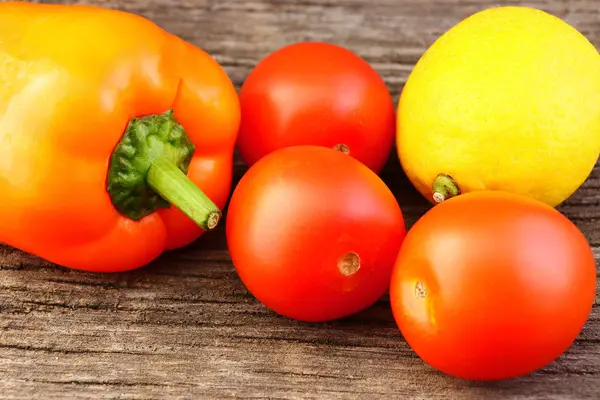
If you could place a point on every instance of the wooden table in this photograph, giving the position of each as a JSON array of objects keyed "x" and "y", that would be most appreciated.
[{"x": 185, "y": 326}]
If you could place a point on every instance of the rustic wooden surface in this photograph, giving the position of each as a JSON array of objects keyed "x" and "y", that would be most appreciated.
[{"x": 185, "y": 326}]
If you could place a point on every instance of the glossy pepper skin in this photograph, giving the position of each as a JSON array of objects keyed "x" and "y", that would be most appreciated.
[{"x": 90, "y": 99}]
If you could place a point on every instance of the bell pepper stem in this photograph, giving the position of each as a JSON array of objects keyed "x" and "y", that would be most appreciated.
[{"x": 175, "y": 187}]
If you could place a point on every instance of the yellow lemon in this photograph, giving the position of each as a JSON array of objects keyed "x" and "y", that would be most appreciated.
[{"x": 508, "y": 99}]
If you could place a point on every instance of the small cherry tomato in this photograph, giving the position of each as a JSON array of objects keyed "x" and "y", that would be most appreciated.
[
  {"x": 316, "y": 94},
  {"x": 313, "y": 233},
  {"x": 492, "y": 285}
]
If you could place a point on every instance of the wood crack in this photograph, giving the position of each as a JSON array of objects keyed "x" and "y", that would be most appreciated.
[
  {"x": 45, "y": 349},
  {"x": 101, "y": 382}
]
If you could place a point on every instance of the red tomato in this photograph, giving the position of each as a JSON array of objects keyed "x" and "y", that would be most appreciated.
[
  {"x": 313, "y": 233},
  {"x": 491, "y": 285},
  {"x": 316, "y": 94}
]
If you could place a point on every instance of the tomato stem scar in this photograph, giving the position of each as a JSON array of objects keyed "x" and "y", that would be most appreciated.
[
  {"x": 420, "y": 290},
  {"x": 342, "y": 148},
  {"x": 349, "y": 264},
  {"x": 444, "y": 188}
]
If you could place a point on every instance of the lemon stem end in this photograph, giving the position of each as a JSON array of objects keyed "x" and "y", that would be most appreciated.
[{"x": 444, "y": 188}]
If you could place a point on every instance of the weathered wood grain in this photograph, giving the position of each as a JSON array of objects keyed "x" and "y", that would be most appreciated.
[{"x": 185, "y": 327}]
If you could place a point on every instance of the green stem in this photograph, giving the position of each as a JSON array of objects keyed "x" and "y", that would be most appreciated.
[
  {"x": 444, "y": 188},
  {"x": 175, "y": 187},
  {"x": 148, "y": 171}
]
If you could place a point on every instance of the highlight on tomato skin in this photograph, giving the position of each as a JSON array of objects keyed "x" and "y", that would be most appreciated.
[
  {"x": 315, "y": 93},
  {"x": 313, "y": 233},
  {"x": 492, "y": 285}
]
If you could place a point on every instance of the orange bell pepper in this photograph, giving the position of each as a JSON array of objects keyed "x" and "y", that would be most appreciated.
[{"x": 106, "y": 120}]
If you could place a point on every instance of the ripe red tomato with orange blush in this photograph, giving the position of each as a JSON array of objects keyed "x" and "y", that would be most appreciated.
[
  {"x": 492, "y": 285},
  {"x": 313, "y": 233},
  {"x": 316, "y": 94}
]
